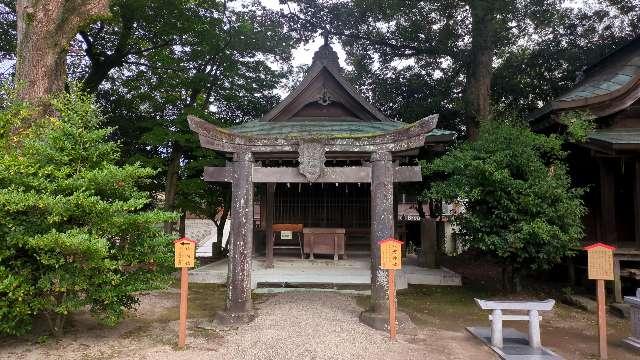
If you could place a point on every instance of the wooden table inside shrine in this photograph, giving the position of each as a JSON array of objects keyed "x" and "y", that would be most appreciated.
[{"x": 324, "y": 241}]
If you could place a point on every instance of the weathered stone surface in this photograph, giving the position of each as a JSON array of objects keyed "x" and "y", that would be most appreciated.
[
  {"x": 429, "y": 244},
  {"x": 380, "y": 321},
  {"x": 620, "y": 310},
  {"x": 239, "y": 307},
  {"x": 580, "y": 302},
  {"x": 382, "y": 227},
  {"x": 229, "y": 318},
  {"x": 311, "y": 158}
]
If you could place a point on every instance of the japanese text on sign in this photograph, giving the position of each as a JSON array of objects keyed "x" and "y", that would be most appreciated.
[
  {"x": 390, "y": 254},
  {"x": 600, "y": 262},
  {"x": 185, "y": 251}
]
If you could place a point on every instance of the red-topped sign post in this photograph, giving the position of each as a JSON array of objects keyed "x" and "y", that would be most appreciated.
[
  {"x": 600, "y": 268},
  {"x": 185, "y": 252},
  {"x": 391, "y": 259}
]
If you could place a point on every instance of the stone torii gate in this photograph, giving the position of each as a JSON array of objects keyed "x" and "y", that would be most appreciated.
[{"x": 323, "y": 119}]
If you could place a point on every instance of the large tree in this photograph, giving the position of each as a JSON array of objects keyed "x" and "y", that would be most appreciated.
[
  {"x": 206, "y": 57},
  {"x": 416, "y": 57},
  {"x": 44, "y": 31}
]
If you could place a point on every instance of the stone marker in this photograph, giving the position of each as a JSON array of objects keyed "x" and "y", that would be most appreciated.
[
  {"x": 512, "y": 346},
  {"x": 634, "y": 303}
]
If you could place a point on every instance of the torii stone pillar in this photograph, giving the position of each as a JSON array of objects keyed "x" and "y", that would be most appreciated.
[
  {"x": 239, "y": 307},
  {"x": 382, "y": 222}
]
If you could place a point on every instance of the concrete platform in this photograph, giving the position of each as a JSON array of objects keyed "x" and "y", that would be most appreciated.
[
  {"x": 516, "y": 345},
  {"x": 337, "y": 274}
]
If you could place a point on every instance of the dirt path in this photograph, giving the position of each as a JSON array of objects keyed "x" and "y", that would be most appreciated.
[{"x": 306, "y": 325}]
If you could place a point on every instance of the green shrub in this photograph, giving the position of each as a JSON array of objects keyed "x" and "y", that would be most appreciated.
[
  {"x": 75, "y": 230},
  {"x": 519, "y": 203}
]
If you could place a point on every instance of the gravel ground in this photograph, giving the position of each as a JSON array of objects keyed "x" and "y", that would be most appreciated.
[
  {"x": 308, "y": 325},
  {"x": 297, "y": 325}
]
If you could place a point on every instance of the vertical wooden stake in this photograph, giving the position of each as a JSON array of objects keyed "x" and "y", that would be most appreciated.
[
  {"x": 392, "y": 304},
  {"x": 602, "y": 320},
  {"x": 184, "y": 289}
]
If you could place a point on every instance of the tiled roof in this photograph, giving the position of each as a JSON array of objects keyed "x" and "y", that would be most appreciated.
[
  {"x": 613, "y": 77},
  {"x": 324, "y": 129},
  {"x": 605, "y": 83},
  {"x": 617, "y": 136}
]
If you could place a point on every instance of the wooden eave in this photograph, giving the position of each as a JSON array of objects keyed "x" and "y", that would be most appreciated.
[{"x": 599, "y": 106}]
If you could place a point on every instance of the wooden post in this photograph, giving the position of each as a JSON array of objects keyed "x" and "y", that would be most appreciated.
[
  {"x": 602, "y": 320},
  {"x": 392, "y": 304},
  {"x": 390, "y": 259},
  {"x": 185, "y": 254},
  {"x": 269, "y": 208},
  {"x": 607, "y": 203},
  {"x": 600, "y": 267},
  {"x": 184, "y": 289},
  {"x": 617, "y": 281},
  {"x": 636, "y": 202}
]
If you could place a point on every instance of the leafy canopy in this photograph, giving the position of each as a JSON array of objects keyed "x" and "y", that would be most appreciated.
[
  {"x": 517, "y": 196},
  {"x": 74, "y": 228}
]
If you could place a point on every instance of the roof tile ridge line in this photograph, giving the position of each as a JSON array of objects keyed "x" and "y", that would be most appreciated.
[
  {"x": 557, "y": 104},
  {"x": 566, "y": 93},
  {"x": 612, "y": 52},
  {"x": 356, "y": 94},
  {"x": 634, "y": 81},
  {"x": 313, "y": 72}
]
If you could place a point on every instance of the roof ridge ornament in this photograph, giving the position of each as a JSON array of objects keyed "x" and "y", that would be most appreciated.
[{"x": 325, "y": 54}]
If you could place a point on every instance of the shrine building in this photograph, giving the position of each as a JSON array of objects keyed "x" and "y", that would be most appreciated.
[
  {"x": 608, "y": 161},
  {"x": 324, "y": 163}
]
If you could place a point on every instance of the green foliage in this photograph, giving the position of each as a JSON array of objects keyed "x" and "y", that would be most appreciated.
[
  {"x": 412, "y": 56},
  {"x": 518, "y": 200},
  {"x": 579, "y": 125},
  {"x": 75, "y": 230}
]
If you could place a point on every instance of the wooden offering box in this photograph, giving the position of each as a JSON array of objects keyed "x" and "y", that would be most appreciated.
[{"x": 324, "y": 241}]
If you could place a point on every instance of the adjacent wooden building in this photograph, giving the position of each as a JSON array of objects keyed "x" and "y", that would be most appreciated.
[
  {"x": 609, "y": 160},
  {"x": 324, "y": 159}
]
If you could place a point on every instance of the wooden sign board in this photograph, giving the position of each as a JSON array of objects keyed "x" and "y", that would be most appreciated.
[
  {"x": 600, "y": 261},
  {"x": 185, "y": 251},
  {"x": 390, "y": 254}
]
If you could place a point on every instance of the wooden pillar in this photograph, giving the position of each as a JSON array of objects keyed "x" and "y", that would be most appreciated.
[
  {"x": 377, "y": 316},
  {"x": 636, "y": 201},
  {"x": 269, "y": 199},
  {"x": 607, "y": 203},
  {"x": 239, "y": 307},
  {"x": 617, "y": 280}
]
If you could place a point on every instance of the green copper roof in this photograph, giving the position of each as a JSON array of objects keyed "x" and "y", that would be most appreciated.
[{"x": 316, "y": 128}]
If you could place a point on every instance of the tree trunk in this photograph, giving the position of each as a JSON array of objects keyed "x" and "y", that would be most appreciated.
[
  {"x": 45, "y": 29},
  {"x": 477, "y": 92},
  {"x": 171, "y": 187},
  {"x": 102, "y": 63},
  {"x": 182, "y": 228}
]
